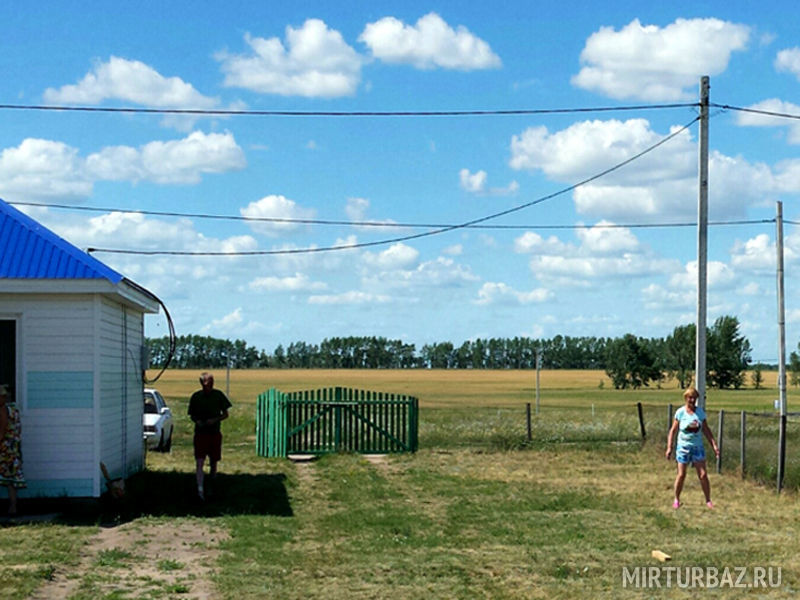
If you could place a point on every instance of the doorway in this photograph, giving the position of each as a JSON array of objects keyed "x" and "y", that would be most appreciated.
[{"x": 8, "y": 355}]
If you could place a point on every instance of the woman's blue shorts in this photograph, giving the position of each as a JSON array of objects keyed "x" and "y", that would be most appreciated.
[{"x": 690, "y": 454}]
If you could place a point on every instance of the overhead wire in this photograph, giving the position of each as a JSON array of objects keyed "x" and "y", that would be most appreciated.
[
  {"x": 405, "y": 238},
  {"x": 380, "y": 224},
  {"x": 317, "y": 113},
  {"x": 757, "y": 111}
]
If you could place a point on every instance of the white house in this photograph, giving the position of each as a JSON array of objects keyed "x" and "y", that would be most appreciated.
[{"x": 71, "y": 350}]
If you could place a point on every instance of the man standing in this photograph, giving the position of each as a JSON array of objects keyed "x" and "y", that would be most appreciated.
[{"x": 207, "y": 409}]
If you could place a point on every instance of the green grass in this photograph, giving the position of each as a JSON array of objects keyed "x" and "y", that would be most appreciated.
[{"x": 479, "y": 512}]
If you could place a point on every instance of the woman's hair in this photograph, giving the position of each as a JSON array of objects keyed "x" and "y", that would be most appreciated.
[{"x": 691, "y": 391}]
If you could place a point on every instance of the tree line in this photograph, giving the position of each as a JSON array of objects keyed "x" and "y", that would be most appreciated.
[{"x": 630, "y": 361}]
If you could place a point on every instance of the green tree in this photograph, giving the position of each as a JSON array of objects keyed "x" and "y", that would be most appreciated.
[
  {"x": 757, "y": 376},
  {"x": 794, "y": 367},
  {"x": 630, "y": 363},
  {"x": 728, "y": 354},
  {"x": 680, "y": 353}
]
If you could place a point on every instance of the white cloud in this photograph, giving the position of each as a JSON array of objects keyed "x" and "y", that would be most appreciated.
[
  {"x": 472, "y": 182},
  {"x": 275, "y": 207},
  {"x": 604, "y": 254},
  {"x": 352, "y": 297},
  {"x": 757, "y": 254},
  {"x": 589, "y": 147},
  {"x": 171, "y": 277},
  {"x": 651, "y": 63},
  {"x": 774, "y": 105},
  {"x": 787, "y": 176},
  {"x": 789, "y": 60},
  {"x": 530, "y": 242},
  {"x": 475, "y": 183},
  {"x": 135, "y": 230},
  {"x": 438, "y": 273},
  {"x": 603, "y": 238},
  {"x": 663, "y": 182},
  {"x": 356, "y": 210},
  {"x": 225, "y": 323},
  {"x": 172, "y": 162},
  {"x": 454, "y": 250},
  {"x": 658, "y": 299},
  {"x": 46, "y": 169},
  {"x": 429, "y": 44},
  {"x": 316, "y": 62},
  {"x": 719, "y": 275},
  {"x": 130, "y": 81},
  {"x": 395, "y": 257},
  {"x": 586, "y": 268},
  {"x": 498, "y": 293},
  {"x": 751, "y": 289},
  {"x": 297, "y": 283},
  {"x": 41, "y": 170}
]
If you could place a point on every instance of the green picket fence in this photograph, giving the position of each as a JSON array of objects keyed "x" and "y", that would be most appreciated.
[{"x": 335, "y": 420}]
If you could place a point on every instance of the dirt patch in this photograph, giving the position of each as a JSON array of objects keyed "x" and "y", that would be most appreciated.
[{"x": 176, "y": 557}]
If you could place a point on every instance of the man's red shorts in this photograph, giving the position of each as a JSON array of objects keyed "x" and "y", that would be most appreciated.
[{"x": 208, "y": 444}]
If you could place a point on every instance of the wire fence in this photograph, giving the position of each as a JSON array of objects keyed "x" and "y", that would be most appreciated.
[
  {"x": 752, "y": 455},
  {"x": 748, "y": 441}
]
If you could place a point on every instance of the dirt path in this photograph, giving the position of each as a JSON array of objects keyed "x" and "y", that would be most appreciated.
[{"x": 176, "y": 557}]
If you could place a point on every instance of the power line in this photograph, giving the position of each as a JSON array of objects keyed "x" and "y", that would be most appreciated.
[
  {"x": 383, "y": 224},
  {"x": 757, "y": 111},
  {"x": 315, "y": 113},
  {"x": 417, "y": 235}
]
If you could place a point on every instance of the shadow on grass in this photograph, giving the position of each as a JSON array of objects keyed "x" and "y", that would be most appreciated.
[{"x": 174, "y": 494}]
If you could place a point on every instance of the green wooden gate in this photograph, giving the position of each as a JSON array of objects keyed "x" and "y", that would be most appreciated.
[{"x": 335, "y": 420}]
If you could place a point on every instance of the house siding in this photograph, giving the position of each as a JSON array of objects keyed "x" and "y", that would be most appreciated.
[
  {"x": 120, "y": 337},
  {"x": 79, "y": 390},
  {"x": 56, "y": 392}
]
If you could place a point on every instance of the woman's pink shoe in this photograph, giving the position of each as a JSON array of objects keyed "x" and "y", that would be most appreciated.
[
  {"x": 676, "y": 504},
  {"x": 710, "y": 504}
]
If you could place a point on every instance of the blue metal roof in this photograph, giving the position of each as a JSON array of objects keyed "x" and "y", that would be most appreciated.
[{"x": 28, "y": 250}]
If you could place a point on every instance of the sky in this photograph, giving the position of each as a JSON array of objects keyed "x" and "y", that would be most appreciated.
[{"x": 575, "y": 253}]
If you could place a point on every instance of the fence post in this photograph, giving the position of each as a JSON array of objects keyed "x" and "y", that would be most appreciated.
[
  {"x": 528, "y": 420},
  {"x": 719, "y": 439},
  {"x": 742, "y": 437},
  {"x": 669, "y": 416},
  {"x": 337, "y": 420},
  {"x": 641, "y": 419}
]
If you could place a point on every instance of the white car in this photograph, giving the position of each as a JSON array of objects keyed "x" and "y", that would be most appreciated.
[{"x": 157, "y": 421}]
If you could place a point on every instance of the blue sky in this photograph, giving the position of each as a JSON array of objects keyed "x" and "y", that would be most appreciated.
[{"x": 580, "y": 278}]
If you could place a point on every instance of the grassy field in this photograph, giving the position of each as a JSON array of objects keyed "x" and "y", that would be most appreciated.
[{"x": 478, "y": 512}]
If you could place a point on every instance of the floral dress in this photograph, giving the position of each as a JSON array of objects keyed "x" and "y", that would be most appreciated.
[{"x": 10, "y": 451}]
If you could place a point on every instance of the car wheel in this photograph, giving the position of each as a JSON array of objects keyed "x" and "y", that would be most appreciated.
[{"x": 168, "y": 445}]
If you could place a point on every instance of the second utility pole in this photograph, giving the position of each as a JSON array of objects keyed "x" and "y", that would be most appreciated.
[{"x": 702, "y": 246}]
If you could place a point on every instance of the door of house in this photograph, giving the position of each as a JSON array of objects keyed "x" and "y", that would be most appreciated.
[{"x": 8, "y": 355}]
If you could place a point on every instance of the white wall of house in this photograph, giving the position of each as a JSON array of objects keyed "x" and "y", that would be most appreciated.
[
  {"x": 79, "y": 390},
  {"x": 120, "y": 338}
]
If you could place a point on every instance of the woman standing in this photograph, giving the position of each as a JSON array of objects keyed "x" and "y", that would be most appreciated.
[
  {"x": 10, "y": 453},
  {"x": 690, "y": 423}
]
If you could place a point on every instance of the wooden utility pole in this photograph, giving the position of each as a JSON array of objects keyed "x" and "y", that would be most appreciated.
[
  {"x": 702, "y": 246},
  {"x": 538, "y": 370},
  {"x": 781, "y": 347}
]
